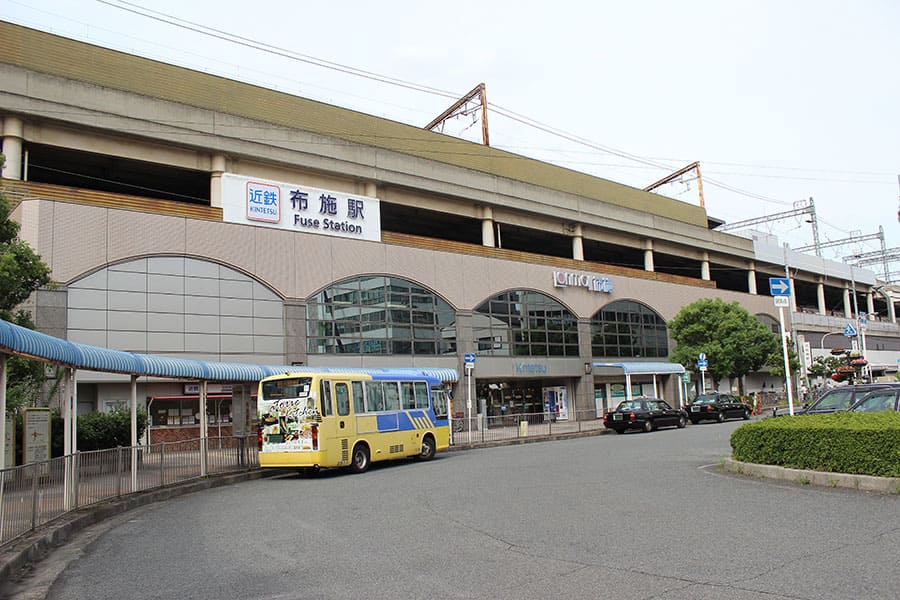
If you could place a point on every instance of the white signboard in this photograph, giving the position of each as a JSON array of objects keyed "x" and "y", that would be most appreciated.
[
  {"x": 9, "y": 442},
  {"x": 300, "y": 208},
  {"x": 36, "y": 435}
]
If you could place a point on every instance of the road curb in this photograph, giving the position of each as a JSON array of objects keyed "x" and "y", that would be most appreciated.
[
  {"x": 864, "y": 483},
  {"x": 34, "y": 546}
]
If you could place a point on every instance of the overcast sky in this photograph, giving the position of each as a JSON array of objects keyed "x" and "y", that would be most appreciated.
[{"x": 780, "y": 101}]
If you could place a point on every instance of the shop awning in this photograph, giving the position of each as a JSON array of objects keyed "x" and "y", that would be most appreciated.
[
  {"x": 629, "y": 369},
  {"x": 636, "y": 368}
]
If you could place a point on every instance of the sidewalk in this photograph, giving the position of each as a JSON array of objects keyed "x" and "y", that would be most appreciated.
[
  {"x": 864, "y": 483},
  {"x": 22, "y": 554}
]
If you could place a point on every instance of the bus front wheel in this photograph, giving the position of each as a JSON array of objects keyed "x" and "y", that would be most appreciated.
[
  {"x": 360, "y": 460},
  {"x": 428, "y": 448}
]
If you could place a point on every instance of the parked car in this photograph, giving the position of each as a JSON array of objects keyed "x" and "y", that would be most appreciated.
[
  {"x": 643, "y": 413},
  {"x": 886, "y": 398},
  {"x": 718, "y": 407},
  {"x": 838, "y": 399}
]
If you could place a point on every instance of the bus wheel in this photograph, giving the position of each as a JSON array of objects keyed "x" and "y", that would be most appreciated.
[
  {"x": 428, "y": 448},
  {"x": 360, "y": 459}
]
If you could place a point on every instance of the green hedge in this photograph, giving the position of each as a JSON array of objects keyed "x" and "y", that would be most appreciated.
[{"x": 860, "y": 443}]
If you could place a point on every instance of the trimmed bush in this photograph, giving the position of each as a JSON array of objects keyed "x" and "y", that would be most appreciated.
[
  {"x": 859, "y": 443},
  {"x": 99, "y": 431}
]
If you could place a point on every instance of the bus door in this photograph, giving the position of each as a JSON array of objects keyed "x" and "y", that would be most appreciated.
[{"x": 345, "y": 424}]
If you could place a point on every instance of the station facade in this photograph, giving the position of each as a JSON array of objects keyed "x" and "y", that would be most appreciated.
[{"x": 190, "y": 215}]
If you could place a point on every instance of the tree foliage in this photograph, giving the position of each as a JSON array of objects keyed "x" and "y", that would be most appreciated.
[
  {"x": 21, "y": 272},
  {"x": 734, "y": 341},
  {"x": 776, "y": 361},
  {"x": 825, "y": 366}
]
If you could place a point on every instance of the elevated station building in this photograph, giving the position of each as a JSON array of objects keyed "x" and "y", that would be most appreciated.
[{"x": 190, "y": 215}]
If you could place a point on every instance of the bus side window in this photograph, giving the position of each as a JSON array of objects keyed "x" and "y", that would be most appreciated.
[
  {"x": 439, "y": 400},
  {"x": 408, "y": 395},
  {"x": 391, "y": 395},
  {"x": 327, "y": 409},
  {"x": 421, "y": 394},
  {"x": 374, "y": 396},
  {"x": 342, "y": 396},
  {"x": 359, "y": 405}
]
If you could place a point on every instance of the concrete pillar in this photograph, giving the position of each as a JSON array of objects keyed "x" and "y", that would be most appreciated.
[
  {"x": 820, "y": 293},
  {"x": 13, "y": 134},
  {"x": 704, "y": 267},
  {"x": 584, "y": 386},
  {"x": 870, "y": 302},
  {"x": 648, "y": 256},
  {"x": 215, "y": 180},
  {"x": 578, "y": 242},
  {"x": 751, "y": 279},
  {"x": 848, "y": 307},
  {"x": 487, "y": 227},
  {"x": 371, "y": 189}
]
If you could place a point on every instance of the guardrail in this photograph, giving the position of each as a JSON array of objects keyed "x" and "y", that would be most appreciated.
[
  {"x": 477, "y": 430},
  {"x": 37, "y": 493}
]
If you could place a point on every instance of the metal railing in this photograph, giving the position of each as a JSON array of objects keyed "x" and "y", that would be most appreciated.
[
  {"x": 477, "y": 430},
  {"x": 34, "y": 494}
]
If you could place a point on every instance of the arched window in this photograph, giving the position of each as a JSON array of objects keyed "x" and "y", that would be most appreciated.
[
  {"x": 770, "y": 323},
  {"x": 628, "y": 329},
  {"x": 380, "y": 315},
  {"x": 525, "y": 323},
  {"x": 178, "y": 306}
]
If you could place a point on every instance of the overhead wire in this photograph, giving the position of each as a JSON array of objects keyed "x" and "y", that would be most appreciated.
[{"x": 645, "y": 162}]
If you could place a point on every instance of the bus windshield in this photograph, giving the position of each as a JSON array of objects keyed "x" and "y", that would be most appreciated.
[{"x": 282, "y": 389}]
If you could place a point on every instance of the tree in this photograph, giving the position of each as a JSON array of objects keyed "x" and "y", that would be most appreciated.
[
  {"x": 734, "y": 341},
  {"x": 21, "y": 272},
  {"x": 824, "y": 366},
  {"x": 776, "y": 360}
]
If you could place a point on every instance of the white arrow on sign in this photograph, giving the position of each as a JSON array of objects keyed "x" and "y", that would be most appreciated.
[{"x": 780, "y": 286}]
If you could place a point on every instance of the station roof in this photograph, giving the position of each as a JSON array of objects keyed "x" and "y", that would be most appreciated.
[{"x": 34, "y": 344}]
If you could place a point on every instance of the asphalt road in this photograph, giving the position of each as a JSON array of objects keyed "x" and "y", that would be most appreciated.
[{"x": 613, "y": 516}]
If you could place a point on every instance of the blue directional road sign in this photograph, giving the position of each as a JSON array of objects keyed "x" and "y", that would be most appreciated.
[
  {"x": 779, "y": 286},
  {"x": 469, "y": 359},
  {"x": 849, "y": 331}
]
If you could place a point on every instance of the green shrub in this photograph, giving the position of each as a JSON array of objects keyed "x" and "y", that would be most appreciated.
[
  {"x": 98, "y": 430},
  {"x": 861, "y": 443}
]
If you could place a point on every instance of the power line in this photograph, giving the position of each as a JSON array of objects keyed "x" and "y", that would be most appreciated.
[{"x": 644, "y": 162}]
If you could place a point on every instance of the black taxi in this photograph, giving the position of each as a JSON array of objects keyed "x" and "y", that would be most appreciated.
[{"x": 718, "y": 407}]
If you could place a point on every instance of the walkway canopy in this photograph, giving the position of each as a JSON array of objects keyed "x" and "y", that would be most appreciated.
[
  {"x": 33, "y": 344},
  {"x": 640, "y": 368}
]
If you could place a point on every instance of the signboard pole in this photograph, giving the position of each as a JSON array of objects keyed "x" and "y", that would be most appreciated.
[
  {"x": 787, "y": 362},
  {"x": 3, "y": 434},
  {"x": 469, "y": 398},
  {"x": 3, "y": 412}
]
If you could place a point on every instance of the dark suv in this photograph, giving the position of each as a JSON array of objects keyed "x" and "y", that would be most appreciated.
[
  {"x": 717, "y": 407},
  {"x": 841, "y": 398}
]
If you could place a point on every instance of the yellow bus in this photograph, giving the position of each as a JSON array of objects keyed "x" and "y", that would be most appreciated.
[{"x": 312, "y": 420}]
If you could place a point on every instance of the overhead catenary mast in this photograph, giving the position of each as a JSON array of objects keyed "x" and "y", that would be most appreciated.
[
  {"x": 465, "y": 106},
  {"x": 801, "y": 207}
]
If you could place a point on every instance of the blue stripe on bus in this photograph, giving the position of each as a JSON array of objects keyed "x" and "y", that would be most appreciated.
[{"x": 405, "y": 421}]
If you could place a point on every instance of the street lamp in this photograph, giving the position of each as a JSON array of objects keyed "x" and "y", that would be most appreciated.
[{"x": 822, "y": 346}]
